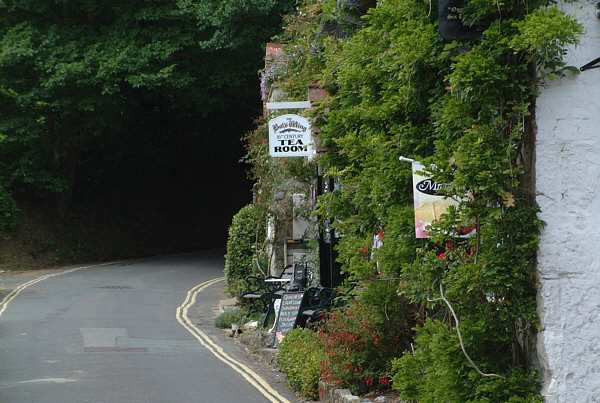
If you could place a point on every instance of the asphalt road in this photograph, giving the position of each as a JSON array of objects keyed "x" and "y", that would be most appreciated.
[{"x": 110, "y": 335}]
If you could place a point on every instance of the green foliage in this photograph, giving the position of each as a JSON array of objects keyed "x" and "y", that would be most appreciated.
[
  {"x": 463, "y": 108},
  {"x": 246, "y": 234},
  {"x": 544, "y": 35},
  {"x": 82, "y": 82},
  {"x": 299, "y": 357},
  {"x": 431, "y": 375},
  {"x": 437, "y": 372},
  {"x": 229, "y": 317}
]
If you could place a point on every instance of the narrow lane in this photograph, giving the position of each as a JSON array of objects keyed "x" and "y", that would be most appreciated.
[{"x": 110, "y": 335}]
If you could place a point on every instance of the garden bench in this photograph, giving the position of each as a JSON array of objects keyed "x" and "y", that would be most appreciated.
[{"x": 266, "y": 290}]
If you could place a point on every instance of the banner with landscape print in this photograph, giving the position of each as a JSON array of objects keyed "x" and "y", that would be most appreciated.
[{"x": 429, "y": 201}]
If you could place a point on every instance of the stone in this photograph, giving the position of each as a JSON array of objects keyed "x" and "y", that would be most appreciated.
[{"x": 253, "y": 325}]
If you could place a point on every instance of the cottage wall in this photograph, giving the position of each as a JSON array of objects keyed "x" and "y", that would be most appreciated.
[{"x": 568, "y": 192}]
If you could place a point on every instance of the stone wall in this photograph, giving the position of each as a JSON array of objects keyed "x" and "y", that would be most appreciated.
[{"x": 568, "y": 192}]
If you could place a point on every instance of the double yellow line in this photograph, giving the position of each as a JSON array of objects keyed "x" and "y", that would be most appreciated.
[
  {"x": 14, "y": 293},
  {"x": 182, "y": 317},
  {"x": 249, "y": 375}
]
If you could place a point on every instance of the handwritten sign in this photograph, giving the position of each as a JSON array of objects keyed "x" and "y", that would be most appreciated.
[{"x": 288, "y": 314}]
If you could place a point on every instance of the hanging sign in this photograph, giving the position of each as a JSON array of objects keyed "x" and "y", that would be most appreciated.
[
  {"x": 430, "y": 202},
  {"x": 450, "y": 21},
  {"x": 290, "y": 136}
]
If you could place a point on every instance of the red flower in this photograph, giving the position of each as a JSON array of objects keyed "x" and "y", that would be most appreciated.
[
  {"x": 441, "y": 256},
  {"x": 364, "y": 251},
  {"x": 369, "y": 381},
  {"x": 385, "y": 381}
]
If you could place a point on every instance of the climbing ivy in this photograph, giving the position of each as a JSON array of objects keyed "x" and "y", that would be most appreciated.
[{"x": 465, "y": 110}]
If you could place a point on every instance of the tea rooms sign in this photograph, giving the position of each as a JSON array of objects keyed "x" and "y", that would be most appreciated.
[{"x": 290, "y": 136}]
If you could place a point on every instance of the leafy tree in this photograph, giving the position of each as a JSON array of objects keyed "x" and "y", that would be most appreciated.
[{"x": 79, "y": 78}]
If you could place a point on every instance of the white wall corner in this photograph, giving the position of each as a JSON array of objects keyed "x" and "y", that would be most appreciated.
[{"x": 568, "y": 193}]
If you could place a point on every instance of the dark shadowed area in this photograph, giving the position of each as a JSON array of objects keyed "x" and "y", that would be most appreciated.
[{"x": 121, "y": 124}]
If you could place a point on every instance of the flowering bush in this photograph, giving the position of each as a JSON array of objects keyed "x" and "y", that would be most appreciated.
[{"x": 361, "y": 339}]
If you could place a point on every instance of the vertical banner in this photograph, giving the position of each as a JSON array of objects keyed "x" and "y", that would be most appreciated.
[{"x": 430, "y": 203}]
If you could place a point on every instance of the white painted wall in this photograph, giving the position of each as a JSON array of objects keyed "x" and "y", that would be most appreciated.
[{"x": 568, "y": 186}]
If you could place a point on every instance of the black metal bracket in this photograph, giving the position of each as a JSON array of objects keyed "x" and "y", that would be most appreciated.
[{"x": 591, "y": 65}]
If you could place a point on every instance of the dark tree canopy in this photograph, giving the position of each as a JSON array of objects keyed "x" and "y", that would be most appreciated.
[{"x": 99, "y": 94}]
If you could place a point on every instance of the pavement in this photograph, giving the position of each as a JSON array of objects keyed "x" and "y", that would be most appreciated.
[{"x": 110, "y": 334}]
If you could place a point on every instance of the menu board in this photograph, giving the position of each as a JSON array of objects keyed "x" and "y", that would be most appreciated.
[{"x": 288, "y": 314}]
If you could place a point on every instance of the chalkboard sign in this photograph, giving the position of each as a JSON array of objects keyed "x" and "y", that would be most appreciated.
[{"x": 288, "y": 314}]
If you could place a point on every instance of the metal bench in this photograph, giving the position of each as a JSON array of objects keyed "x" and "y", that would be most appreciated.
[
  {"x": 317, "y": 301},
  {"x": 265, "y": 290}
]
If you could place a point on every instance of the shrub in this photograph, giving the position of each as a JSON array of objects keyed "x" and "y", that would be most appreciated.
[
  {"x": 247, "y": 230},
  {"x": 361, "y": 339},
  {"x": 230, "y": 316},
  {"x": 438, "y": 371},
  {"x": 299, "y": 357}
]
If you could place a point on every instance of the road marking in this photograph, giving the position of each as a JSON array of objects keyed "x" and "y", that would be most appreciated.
[
  {"x": 48, "y": 380},
  {"x": 249, "y": 375},
  {"x": 41, "y": 381},
  {"x": 14, "y": 293}
]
